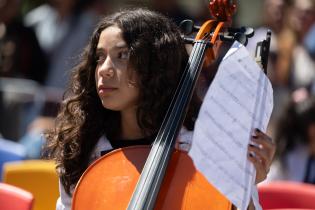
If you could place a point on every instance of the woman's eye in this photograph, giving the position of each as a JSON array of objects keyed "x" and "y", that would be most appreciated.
[
  {"x": 123, "y": 55},
  {"x": 100, "y": 59}
]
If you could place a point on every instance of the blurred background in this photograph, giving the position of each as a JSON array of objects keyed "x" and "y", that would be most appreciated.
[{"x": 40, "y": 41}]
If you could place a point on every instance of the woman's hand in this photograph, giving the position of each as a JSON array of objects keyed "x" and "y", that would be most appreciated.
[{"x": 261, "y": 152}]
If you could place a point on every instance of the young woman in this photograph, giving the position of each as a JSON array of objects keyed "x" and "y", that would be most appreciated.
[
  {"x": 295, "y": 138},
  {"x": 119, "y": 94}
]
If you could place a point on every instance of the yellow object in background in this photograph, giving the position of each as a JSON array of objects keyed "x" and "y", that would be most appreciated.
[{"x": 36, "y": 176}]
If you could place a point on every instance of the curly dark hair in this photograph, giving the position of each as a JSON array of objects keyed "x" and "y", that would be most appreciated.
[{"x": 158, "y": 55}]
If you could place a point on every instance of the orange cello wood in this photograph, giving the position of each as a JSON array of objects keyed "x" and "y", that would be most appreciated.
[{"x": 110, "y": 181}]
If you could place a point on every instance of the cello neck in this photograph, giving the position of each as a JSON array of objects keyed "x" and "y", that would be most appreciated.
[{"x": 152, "y": 175}]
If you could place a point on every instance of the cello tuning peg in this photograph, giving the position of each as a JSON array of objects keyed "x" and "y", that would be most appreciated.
[
  {"x": 238, "y": 36},
  {"x": 188, "y": 26},
  {"x": 247, "y": 31},
  {"x": 226, "y": 38}
]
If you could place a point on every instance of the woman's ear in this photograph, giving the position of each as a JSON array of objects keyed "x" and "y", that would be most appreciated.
[
  {"x": 132, "y": 83},
  {"x": 133, "y": 78}
]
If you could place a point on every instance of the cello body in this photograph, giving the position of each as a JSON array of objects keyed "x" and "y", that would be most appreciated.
[{"x": 110, "y": 181}]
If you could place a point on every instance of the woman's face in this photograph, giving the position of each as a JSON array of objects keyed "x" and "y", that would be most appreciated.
[
  {"x": 116, "y": 85},
  {"x": 303, "y": 16}
]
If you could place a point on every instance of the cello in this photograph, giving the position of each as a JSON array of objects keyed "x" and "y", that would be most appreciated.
[{"x": 160, "y": 177}]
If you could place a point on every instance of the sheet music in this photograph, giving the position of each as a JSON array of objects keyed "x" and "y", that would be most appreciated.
[{"x": 239, "y": 99}]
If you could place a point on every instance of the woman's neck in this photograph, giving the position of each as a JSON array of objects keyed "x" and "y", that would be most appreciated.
[{"x": 129, "y": 126}]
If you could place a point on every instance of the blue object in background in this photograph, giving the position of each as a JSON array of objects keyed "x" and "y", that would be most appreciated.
[
  {"x": 33, "y": 143},
  {"x": 10, "y": 151}
]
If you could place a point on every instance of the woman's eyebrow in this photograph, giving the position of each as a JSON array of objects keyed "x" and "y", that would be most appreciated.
[
  {"x": 121, "y": 45},
  {"x": 118, "y": 46},
  {"x": 99, "y": 49}
]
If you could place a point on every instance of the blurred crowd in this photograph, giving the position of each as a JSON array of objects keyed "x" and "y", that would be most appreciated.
[
  {"x": 291, "y": 69},
  {"x": 39, "y": 46}
]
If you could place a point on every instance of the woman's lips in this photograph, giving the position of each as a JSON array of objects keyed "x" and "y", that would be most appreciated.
[{"x": 106, "y": 90}]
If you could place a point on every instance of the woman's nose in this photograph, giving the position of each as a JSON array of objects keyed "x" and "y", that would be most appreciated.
[{"x": 107, "y": 68}]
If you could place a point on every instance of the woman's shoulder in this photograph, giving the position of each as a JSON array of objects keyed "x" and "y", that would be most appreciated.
[
  {"x": 102, "y": 145},
  {"x": 64, "y": 201}
]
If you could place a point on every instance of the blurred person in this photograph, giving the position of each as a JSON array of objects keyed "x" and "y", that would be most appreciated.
[
  {"x": 290, "y": 65},
  {"x": 274, "y": 18},
  {"x": 63, "y": 28},
  {"x": 303, "y": 66},
  {"x": 20, "y": 53},
  {"x": 274, "y": 14},
  {"x": 295, "y": 139},
  {"x": 303, "y": 17},
  {"x": 22, "y": 63}
]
